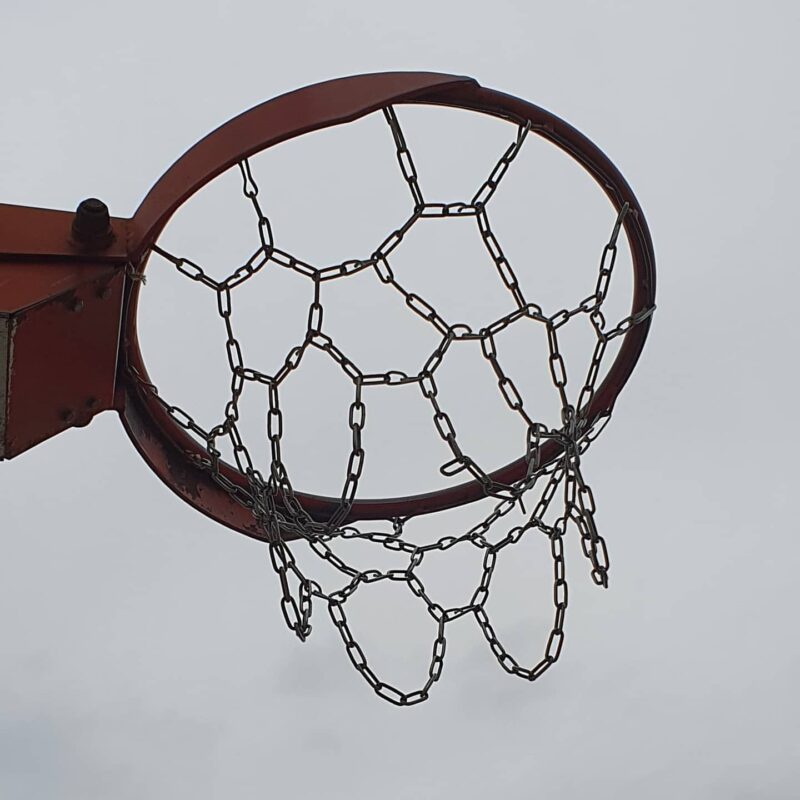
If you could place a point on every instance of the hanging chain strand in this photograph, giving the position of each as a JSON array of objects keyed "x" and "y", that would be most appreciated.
[{"x": 271, "y": 498}]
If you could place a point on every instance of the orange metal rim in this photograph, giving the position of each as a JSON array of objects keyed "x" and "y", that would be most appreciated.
[{"x": 172, "y": 453}]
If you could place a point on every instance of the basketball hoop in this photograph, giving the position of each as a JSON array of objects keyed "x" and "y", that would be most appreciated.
[{"x": 264, "y": 503}]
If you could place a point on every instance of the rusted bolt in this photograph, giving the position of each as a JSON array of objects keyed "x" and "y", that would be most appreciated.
[
  {"x": 91, "y": 226},
  {"x": 67, "y": 415}
]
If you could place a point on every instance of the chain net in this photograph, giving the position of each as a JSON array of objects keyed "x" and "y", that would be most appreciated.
[{"x": 271, "y": 498}]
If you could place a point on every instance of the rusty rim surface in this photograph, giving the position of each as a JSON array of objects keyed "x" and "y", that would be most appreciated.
[{"x": 170, "y": 451}]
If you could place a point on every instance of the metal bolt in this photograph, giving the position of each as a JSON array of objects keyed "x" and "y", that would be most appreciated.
[
  {"x": 91, "y": 226},
  {"x": 77, "y": 306}
]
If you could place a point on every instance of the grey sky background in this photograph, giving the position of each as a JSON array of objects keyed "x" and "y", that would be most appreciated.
[{"x": 143, "y": 653}]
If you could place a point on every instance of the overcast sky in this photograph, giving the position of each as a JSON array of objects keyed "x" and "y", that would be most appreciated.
[{"x": 143, "y": 652}]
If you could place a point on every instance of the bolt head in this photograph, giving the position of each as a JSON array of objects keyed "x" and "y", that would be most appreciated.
[{"x": 91, "y": 226}]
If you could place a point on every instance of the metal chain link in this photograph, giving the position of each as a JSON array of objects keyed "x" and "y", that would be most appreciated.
[{"x": 272, "y": 500}]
